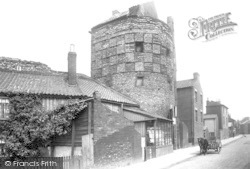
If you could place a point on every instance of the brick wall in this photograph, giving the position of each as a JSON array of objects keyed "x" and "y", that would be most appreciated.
[
  {"x": 183, "y": 135},
  {"x": 116, "y": 142},
  {"x": 118, "y": 149},
  {"x": 187, "y": 106},
  {"x": 198, "y": 121},
  {"x": 116, "y": 63}
]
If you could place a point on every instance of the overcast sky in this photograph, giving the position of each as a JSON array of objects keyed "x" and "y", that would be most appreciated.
[{"x": 43, "y": 30}]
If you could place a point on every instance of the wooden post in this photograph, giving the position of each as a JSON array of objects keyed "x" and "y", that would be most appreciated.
[
  {"x": 88, "y": 151},
  {"x": 155, "y": 126},
  {"x": 89, "y": 117},
  {"x": 73, "y": 138},
  {"x": 122, "y": 106}
]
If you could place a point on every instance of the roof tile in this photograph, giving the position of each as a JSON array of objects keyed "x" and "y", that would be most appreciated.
[
  {"x": 185, "y": 83},
  {"x": 50, "y": 84}
]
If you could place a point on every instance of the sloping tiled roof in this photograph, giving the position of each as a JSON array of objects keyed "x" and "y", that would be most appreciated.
[
  {"x": 245, "y": 120},
  {"x": 143, "y": 112},
  {"x": 50, "y": 84},
  {"x": 88, "y": 86},
  {"x": 185, "y": 83}
]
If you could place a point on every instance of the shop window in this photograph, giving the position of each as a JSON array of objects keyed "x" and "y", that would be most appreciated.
[
  {"x": 160, "y": 135},
  {"x": 150, "y": 141}
]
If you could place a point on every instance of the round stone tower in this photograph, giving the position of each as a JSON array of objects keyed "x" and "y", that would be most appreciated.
[{"x": 134, "y": 53}]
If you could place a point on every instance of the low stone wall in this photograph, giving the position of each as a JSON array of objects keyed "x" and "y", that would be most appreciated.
[{"x": 118, "y": 149}]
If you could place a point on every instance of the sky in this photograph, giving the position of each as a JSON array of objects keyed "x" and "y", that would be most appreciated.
[{"x": 43, "y": 30}]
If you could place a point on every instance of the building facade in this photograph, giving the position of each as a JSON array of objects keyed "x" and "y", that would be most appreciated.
[
  {"x": 134, "y": 53},
  {"x": 215, "y": 107},
  {"x": 190, "y": 106},
  {"x": 211, "y": 123},
  {"x": 245, "y": 125}
]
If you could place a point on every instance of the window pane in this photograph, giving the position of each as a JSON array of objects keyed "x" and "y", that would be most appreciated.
[
  {"x": 139, "y": 46},
  {"x": 1, "y": 111},
  {"x": 4, "y": 108}
]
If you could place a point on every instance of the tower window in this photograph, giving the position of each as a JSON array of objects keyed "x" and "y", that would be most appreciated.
[
  {"x": 139, "y": 46},
  {"x": 139, "y": 81},
  {"x": 168, "y": 52}
]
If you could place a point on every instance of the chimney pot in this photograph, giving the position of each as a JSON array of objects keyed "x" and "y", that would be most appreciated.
[
  {"x": 72, "y": 48},
  {"x": 115, "y": 12},
  {"x": 97, "y": 95}
]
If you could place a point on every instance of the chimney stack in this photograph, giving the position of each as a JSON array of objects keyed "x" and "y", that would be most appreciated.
[
  {"x": 196, "y": 76},
  {"x": 72, "y": 78}
]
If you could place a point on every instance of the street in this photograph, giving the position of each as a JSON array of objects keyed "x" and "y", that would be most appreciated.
[{"x": 235, "y": 155}]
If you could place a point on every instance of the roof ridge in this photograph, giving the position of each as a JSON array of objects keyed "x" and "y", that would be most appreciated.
[
  {"x": 33, "y": 72},
  {"x": 185, "y": 80},
  {"x": 122, "y": 94}
]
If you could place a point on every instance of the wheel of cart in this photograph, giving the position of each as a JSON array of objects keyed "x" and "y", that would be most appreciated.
[
  {"x": 219, "y": 146},
  {"x": 215, "y": 144}
]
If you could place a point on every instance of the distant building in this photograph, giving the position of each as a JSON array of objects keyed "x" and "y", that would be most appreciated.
[
  {"x": 215, "y": 107},
  {"x": 232, "y": 126},
  {"x": 245, "y": 125},
  {"x": 190, "y": 106},
  {"x": 211, "y": 122}
]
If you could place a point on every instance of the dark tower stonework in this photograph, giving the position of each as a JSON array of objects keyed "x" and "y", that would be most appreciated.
[{"x": 134, "y": 53}]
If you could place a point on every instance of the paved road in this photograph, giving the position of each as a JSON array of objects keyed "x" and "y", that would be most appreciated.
[{"x": 235, "y": 155}]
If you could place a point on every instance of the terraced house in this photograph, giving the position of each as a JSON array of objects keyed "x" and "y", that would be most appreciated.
[
  {"x": 219, "y": 109},
  {"x": 190, "y": 106}
]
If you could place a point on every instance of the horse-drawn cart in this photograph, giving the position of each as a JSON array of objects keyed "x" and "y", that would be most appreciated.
[
  {"x": 210, "y": 143},
  {"x": 214, "y": 144}
]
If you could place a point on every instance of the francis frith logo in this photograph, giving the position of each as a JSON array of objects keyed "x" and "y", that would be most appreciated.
[{"x": 210, "y": 28}]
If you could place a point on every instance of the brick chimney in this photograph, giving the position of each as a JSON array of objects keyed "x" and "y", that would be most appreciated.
[
  {"x": 72, "y": 78},
  {"x": 196, "y": 76}
]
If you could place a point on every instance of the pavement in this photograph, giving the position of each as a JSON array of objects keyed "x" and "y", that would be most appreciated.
[{"x": 174, "y": 158}]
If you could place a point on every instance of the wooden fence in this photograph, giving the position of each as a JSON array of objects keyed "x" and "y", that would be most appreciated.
[{"x": 75, "y": 162}]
